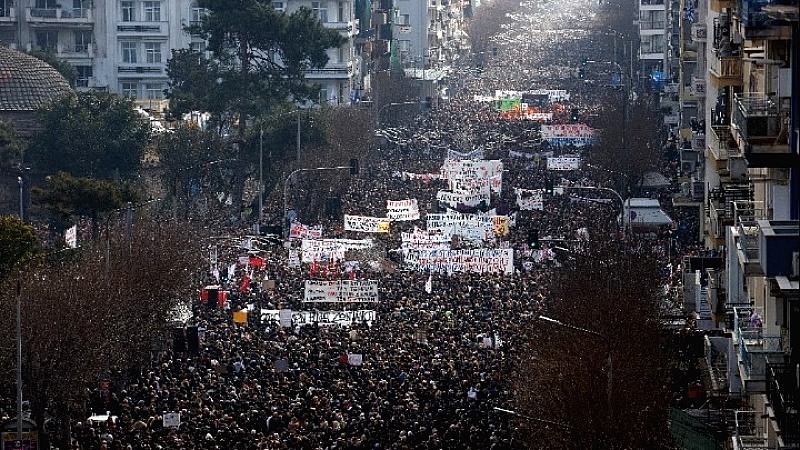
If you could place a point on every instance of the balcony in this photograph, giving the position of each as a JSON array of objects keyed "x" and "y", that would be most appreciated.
[
  {"x": 332, "y": 71},
  {"x": 75, "y": 51},
  {"x": 755, "y": 349},
  {"x": 726, "y": 70},
  {"x": 782, "y": 395},
  {"x": 747, "y": 248},
  {"x": 60, "y": 15},
  {"x": 652, "y": 25},
  {"x": 141, "y": 70},
  {"x": 719, "y": 143},
  {"x": 751, "y": 430},
  {"x": 759, "y": 125}
]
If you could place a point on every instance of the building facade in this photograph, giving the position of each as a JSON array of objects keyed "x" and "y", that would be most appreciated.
[
  {"x": 123, "y": 45},
  {"x": 740, "y": 66}
]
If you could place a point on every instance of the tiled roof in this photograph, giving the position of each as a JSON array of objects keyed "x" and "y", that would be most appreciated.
[{"x": 26, "y": 83}]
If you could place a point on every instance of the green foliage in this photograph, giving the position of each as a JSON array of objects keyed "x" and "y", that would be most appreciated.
[
  {"x": 68, "y": 196},
  {"x": 91, "y": 134},
  {"x": 261, "y": 55},
  {"x": 17, "y": 242},
  {"x": 11, "y": 147},
  {"x": 66, "y": 69}
]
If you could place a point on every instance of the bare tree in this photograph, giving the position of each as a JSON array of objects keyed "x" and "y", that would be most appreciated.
[
  {"x": 93, "y": 312},
  {"x": 564, "y": 376}
]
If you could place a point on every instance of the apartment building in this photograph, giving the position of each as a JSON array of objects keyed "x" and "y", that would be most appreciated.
[
  {"x": 743, "y": 56},
  {"x": 123, "y": 45}
]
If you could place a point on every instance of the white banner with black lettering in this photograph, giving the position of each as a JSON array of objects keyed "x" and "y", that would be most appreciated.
[
  {"x": 366, "y": 224},
  {"x": 402, "y": 210},
  {"x": 529, "y": 199},
  {"x": 299, "y": 231},
  {"x": 476, "y": 260},
  {"x": 330, "y": 249},
  {"x": 340, "y": 291},
  {"x": 342, "y": 318},
  {"x": 563, "y": 163}
]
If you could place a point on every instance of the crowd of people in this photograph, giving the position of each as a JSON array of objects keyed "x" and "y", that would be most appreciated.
[{"x": 441, "y": 352}]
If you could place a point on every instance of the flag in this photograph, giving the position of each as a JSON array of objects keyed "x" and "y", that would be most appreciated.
[
  {"x": 352, "y": 275},
  {"x": 245, "y": 283},
  {"x": 231, "y": 271},
  {"x": 429, "y": 284},
  {"x": 690, "y": 15}
]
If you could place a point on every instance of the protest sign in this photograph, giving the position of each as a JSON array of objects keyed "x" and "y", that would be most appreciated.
[
  {"x": 341, "y": 318},
  {"x": 402, "y": 210},
  {"x": 366, "y": 224}
]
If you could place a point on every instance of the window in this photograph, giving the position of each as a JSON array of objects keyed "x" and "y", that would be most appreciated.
[
  {"x": 129, "y": 50},
  {"x": 152, "y": 11},
  {"x": 82, "y": 40},
  {"x": 323, "y": 95},
  {"x": 46, "y": 4},
  {"x": 128, "y": 11},
  {"x": 130, "y": 90},
  {"x": 47, "y": 40},
  {"x": 84, "y": 75},
  {"x": 153, "y": 91},
  {"x": 341, "y": 13},
  {"x": 340, "y": 54},
  {"x": 320, "y": 10},
  {"x": 82, "y": 4},
  {"x": 152, "y": 52},
  {"x": 405, "y": 19},
  {"x": 196, "y": 17},
  {"x": 198, "y": 46},
  {"x": 279, "y": 6}
]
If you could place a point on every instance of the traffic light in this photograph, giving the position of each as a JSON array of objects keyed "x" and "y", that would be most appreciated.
[
  {"x": 533, "y": 239},
  {"x": 353, "y": 166},
  {"x": 581, "y": 74},
  {"x": 548, "y": 186}
]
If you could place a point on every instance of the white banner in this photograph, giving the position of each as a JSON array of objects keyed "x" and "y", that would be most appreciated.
[
  {"x": 529, "y": 199},
  {"x": 366, "y": 224},
  {"x": 453, "y": 199},
  {"x": 474, "y": 170},
  {"x": 338, "y": 291},
  {"x": 420, "y": 176},
  {"x": 438, "y": 239},
  {"x": 472, "y": 227},
  {"x": 299, "y": 231},
  {"x": 563, "y": 163},
  {"x": 71, "y": 236},
  {"x": 342, "y": 318},
  {"x": 477, "y": 260},
  {"x": 327, "y": 249},
  {"x": 401, "y": 210}
]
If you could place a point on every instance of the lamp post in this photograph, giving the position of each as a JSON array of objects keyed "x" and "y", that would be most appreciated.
[
  {"x": 19, "y": 355},
  {"x": 21, "y": 200},
  {"x": 610, "y": 372}
]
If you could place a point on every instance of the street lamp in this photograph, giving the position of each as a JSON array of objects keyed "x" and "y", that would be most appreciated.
[
  {"x": 21, "y": 201},
  {"x": 610, "y": 372}
]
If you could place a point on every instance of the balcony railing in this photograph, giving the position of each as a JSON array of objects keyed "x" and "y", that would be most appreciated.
[
  {"x": 756, "y": 116},
  {"x": 7, "y": 14},
  {"x": 78, "y": 15},
  {"x": 726, "y": 67},
  {"x": 755, "y": 349},
  {"x": 782, "y": 394},
  {"x": 751, "y": 430},
  {"x": 652, "y": 25},
  {"x": 718, "y": 141}
]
